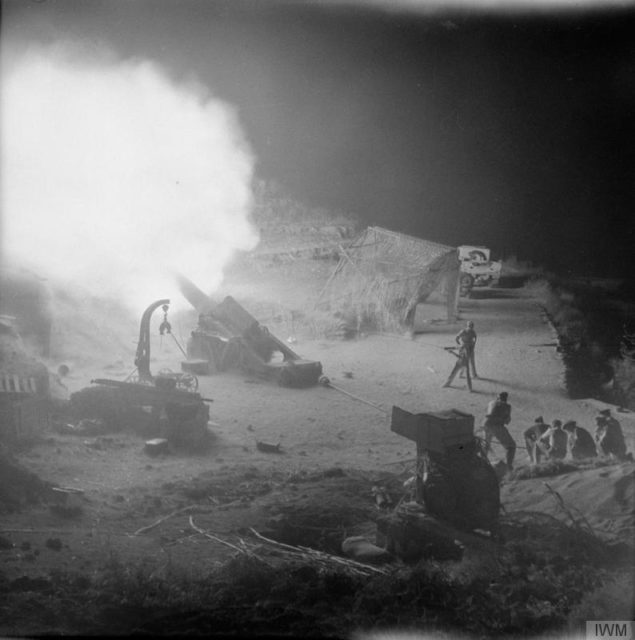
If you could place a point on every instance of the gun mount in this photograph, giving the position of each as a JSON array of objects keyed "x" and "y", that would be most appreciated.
[
  {"x": 229, "y": 337},
  {"x": 166, "y": 405},
  {"x": 156, "y": 411}
]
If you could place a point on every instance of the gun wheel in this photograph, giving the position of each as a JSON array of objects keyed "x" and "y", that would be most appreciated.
[{"x": 187, "y": 382}]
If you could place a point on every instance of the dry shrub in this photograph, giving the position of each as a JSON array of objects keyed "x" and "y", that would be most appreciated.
[
  {"x": 611, "y": 601},
  {"x": 544, "y": 577},
  {"x": 557, "y": 467},
  {"x": 624, "y": 370}
]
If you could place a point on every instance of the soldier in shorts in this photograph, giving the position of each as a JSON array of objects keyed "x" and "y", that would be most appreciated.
[{"x": 467, "y": 338}]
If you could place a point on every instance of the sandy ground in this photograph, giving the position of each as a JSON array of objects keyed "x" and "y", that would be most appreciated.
[{"x": 233, "y": 486}]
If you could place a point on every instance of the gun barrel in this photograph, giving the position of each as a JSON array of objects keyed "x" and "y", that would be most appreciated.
[
  {"x": 195, "y": 296},
  {"x": 151, "y": 392}
]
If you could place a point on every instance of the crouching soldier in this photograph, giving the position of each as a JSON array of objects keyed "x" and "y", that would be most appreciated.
[
  {"x": 554, "y": 442},
  {"x": 609, "y": 436},
  {"x": 531, "y": 436},
  {"x": 580, "y": 444},
  {"x": 497, "y": 418}
]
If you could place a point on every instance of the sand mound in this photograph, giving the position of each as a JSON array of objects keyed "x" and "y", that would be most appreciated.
[
  {"x": 604, "y": 497},
  {"x": 18, "y": 486}
]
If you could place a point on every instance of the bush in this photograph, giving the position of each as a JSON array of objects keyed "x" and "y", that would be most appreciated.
[
  {"x": 526, "y": 589},
  {"x": 612, "y": 601}
]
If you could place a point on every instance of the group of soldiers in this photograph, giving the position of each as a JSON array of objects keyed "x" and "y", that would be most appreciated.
[{"x": 554, "y": 441}]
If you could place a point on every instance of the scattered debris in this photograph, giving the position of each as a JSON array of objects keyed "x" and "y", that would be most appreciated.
[
  {"x": 163, "y": 519},
  {"x": 84, "y": 427},
  {"x": 156, "y": 447},
  {"x": 268, "y": 448}
]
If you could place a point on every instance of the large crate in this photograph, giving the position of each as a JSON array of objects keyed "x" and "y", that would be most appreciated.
[
  {"x": 435, "y": 431},
  {"x": 22, "y": 417}
]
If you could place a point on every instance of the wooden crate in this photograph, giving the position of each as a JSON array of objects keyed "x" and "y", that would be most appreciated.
[
  {"x": 434, "y": 431},
  {"x": 196, "y": 366}
]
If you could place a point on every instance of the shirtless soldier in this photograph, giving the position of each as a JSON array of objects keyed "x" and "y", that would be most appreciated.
[{"x": 532, "y": 436}]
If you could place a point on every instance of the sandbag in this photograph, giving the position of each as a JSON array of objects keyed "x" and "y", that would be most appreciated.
[{"x": 358, "y": 548}]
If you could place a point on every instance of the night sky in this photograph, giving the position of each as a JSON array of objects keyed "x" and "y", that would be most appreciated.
[{"x": 514, "y": 130}]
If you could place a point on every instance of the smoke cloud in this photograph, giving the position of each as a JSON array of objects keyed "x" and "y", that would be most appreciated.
[{"x": 114, "y": 176}]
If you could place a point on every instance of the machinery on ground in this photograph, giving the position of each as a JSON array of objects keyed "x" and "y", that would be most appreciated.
[
  {"x": 477, "y": 270},
  {"x": 229, "y": 337},
  {"x": 165, "y": 379},
  {"x": 165, "y": 406},
  {"x": 24, "y": 388}
]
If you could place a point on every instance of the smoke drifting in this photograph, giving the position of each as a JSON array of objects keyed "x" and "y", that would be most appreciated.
[{"x": 114, "y": 176}]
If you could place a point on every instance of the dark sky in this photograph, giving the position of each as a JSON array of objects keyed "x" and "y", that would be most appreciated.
[{"x": 514, "y": 130}]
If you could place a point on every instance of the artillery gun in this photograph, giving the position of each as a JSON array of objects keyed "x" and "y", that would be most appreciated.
[{"x": 229, "y": 337}]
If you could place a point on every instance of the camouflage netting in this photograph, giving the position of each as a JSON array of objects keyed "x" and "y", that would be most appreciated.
[{"x": 382, "y": 276}]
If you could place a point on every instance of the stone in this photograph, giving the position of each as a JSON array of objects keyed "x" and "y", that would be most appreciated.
[
  {"x": 361, "y": 550},
  {"x": 156, "y": 447}
]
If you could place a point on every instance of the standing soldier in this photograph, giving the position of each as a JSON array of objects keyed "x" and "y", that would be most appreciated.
[
  {"x": 467, "y": 338},
  {"x": 462, "y": 363},
  {"x": 499, "y": 413}
]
